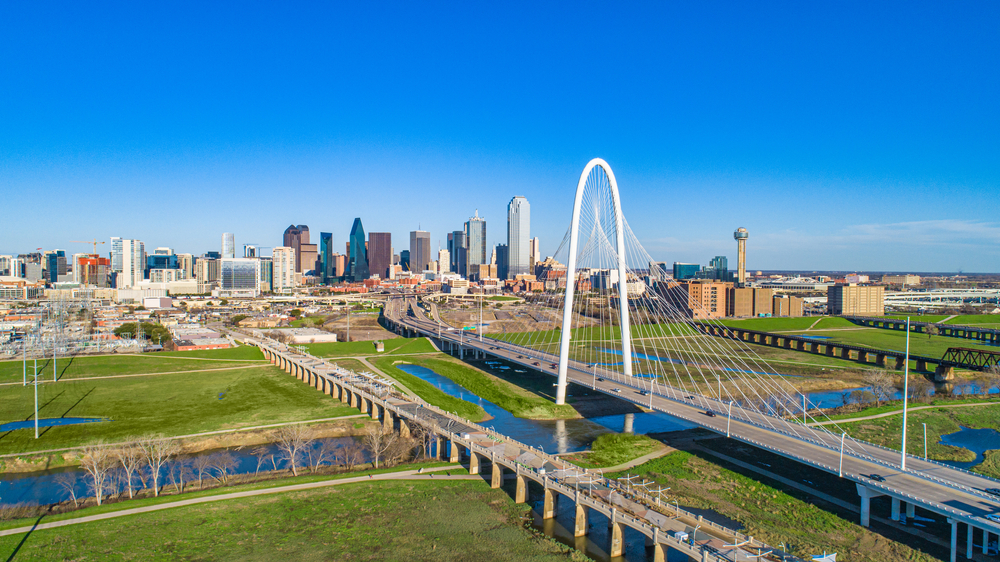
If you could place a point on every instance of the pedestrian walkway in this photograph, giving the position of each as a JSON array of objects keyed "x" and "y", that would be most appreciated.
[{"x": 900, "y": 411}]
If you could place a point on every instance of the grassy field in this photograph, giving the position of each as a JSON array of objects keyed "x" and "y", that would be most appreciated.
[
  {"x": 416, "y": 520},
  {"x": 785, "y": 324},
  {"x": 769, "y": 513},
  {"x": 920, "y": 344},
  {"x": 515, "y": 399},
  {"x": 940, "y": 421},
  {"x": 613, "y": 449},
  {"x": 109, "y": 365},
  {"x": 429, "y": 392},
  {"x": 176, "y": 404},
  {"x": 393, "y": 346}
]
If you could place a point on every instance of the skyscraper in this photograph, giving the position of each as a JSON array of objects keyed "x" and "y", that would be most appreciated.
[
  {"x": 518, "y": 240},
  {"x": 459, "y": 252},
  {"x": 326, "y": 257},
  {"x": 228, "y": 245},
  {"x": 444, "y": 261},
  {"x": 133, "y": 263},
  {"x": 420, "y": 250},
  {"x": 475, "y": 243},
  {"x": 358, "y": 258},
  {"x": 294, "y": 237},
  {"x": 502, "y": 253},
  {"x": 55, "y": 265},
  {"x": 283, "y": 268},
  {"x": 379, "y": 253},
  {"x": 535, "y": 254}
]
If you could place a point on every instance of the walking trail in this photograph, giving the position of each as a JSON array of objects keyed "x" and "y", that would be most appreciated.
[
  {"x": 897, "y": 412},
  {"x": 664, "y": 450},
  {"x": 402, "y": 475},
  {"x": 65, "y": 379}
]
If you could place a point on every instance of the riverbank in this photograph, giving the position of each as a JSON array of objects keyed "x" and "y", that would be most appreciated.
[{"x": 429, "y": 518}]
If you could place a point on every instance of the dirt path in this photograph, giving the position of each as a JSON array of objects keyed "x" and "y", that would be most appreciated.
[
  {"x": 67, "y": 379},
  {"x": 897, "y": 412},
  {"x": 813, "y": 325},
  {"x": 403, "y": 475},
  {"x": 664, "y": 450}
]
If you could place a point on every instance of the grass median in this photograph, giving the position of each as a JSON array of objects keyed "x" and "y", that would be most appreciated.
[
  {"x": 613, "y": 449},
  {"x": 430, "y": 393}
]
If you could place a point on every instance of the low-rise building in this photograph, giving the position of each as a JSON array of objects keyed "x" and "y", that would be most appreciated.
[{"x": 859, "y": 300}]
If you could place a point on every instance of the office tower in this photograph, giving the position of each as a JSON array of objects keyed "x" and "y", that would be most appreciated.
[
  {"x": 31, "y": 264},
  {"x": 250, "y": 251},
  {"x": 94, "y": 270},
  {"x": 459, "y": 252},
  {"x": 185, "y": 262},
  {"x": 212, "y": 255},
  {"x": 133, "y": 264},
  {"x": 379, "y": 253},
  {"x": 161, "y": 260},
  {"x": 326, "y": 257},
  {"x": 206, "y": 274},
  {"x": 294, "y": 237},
  {"x": 339, "y": 265},
  {"x": 240, "y": 276},
  {"x": 404, "y": 260},
  {"x": 358, "y": 253},
  {"x": 535, "y": 254},
  {"x": 265, "y": 272},
  {"x": 76, "y": 266},
  {"x": 55, "y": 262},
  {"x": 444, "y": 261},
  {"x": 657, "y": 271},
  {"x": 6, "y": 266},
  {"x": 685, "y": 270},
  {"x": 228, "y": 245},
  {"x": 475, "y": 243},
  {"x": 855, "y": 299},
  {"x": 420, "y": 250},
  {"x": 502, "y": 256},
  {"x": 741, "y": 235},
  {"x": 163, "y": 251},
  {"x": 719, "y": 267},
  {"x": 518, "y": 240},
  {"x": 283, "y": 268},
  {"x": 116, "y": 254}
]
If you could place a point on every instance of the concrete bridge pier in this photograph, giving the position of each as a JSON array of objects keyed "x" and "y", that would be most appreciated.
[
  {"x": 404, "y": 429},
  {"x": 473, "y": 462},
  {"x": 921, "y": 365},
  {"x": 629, "y": 422},
  {"x": 387, "y": 421},
  {"x": 374, "y": 410},
  {"x": 549, "y": 503},
  {"x": 521, "y": 491},
  {"x": 438, "y": 447},
  {"x": 580, "y": 527},
  {"x": 455, "y": 451},
  {"x": 880, "y": 360},
  {"x": 659, "y": 552},
  {"x": 496, "y": 475},
  {"x": 944, "y": 373},
  {"x": 617, "y": 535},
  {"x": 866, "y": 506},
  {"x": 900, "y": 363}
]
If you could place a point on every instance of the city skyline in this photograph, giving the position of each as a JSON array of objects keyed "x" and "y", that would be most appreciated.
[{"x": 836, "y": 151}]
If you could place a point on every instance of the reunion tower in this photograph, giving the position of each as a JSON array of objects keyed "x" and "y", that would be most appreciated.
[{"x": 741, "y": 255}]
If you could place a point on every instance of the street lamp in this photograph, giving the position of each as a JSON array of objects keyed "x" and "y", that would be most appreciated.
[
  {"x": 729, "y": 417},
  {"x": 925, "y": 440},
  {"x": 906, "y": 380},
  {"x": 840, "y": 469}
]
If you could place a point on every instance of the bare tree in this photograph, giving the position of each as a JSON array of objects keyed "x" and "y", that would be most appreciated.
[
  {"x": 129, "y": 456},
  {"x": 399, "y": 450},
  {"x": 881, "y": 383},
  {"x": 320, "y": 454},
  {"x": 67, "y": 482},
  {"x": 994, "y": 373},
  {"x": 97, "y": 460},
  {"x": 292, "y": 439},
  {"x": 920, "y": 388},
  {"x": 377, "y": 442},
  {"x": 201, "y": 465},
  {"x": 350, "y": 455},
  {"x": 931, "y": 330},
  {"x": 222, "y": 463},
  {"x": 156, "y": 451},
  {"x": 180, "y": 472},
  {"x": 261, "y": 453}
]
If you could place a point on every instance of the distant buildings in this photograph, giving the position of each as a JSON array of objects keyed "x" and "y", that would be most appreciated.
[
  {"x": 858, "y": 300},
  {"x": 901, "y": 279},
  {"x": 133, "y": 263},
  {"x": 535, "y": 255},
  {"x": 458, "y": 252},
  {"x": 420, "y": 250},
  {"x": 685, "y": 270},
  {"x": 518, "y": 260},
  {"x": 327, "y": 272},
  {"x": 283, "y": 269},
  {"x": 357, "y": 253},
  {"x": 380, "y": 254},
  {"x": 475, "y": 243},
  {"x": 228, "y": 245},
  {"x": 741, "y": 236},
  {"x": 240, "y": 277},
  {"x": 444, "y": 261},
  {"x": 294, "y": 238}
]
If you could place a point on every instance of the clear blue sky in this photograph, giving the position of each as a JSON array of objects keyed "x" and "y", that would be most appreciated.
[{"x": 843, "y": 135}]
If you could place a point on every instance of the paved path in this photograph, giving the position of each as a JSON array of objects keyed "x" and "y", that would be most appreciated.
[
  {"x": 663, "y": 451},
  {"x": 897, "y": 412},
  {"x": 67, "y": 379},
  {"x": 813, "y": 325},
  {"x": 218, "y": 432},
  {"x": 402, "y": 475}
]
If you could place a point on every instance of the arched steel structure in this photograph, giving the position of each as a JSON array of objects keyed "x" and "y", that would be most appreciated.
[{"x": 566, "y": 334}]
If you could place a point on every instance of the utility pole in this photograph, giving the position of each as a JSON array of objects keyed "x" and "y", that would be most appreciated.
[
  {"x": 36, "y": 399},
  {"x": 348, "y": 322},
  {"x": 906, "y": 381}
]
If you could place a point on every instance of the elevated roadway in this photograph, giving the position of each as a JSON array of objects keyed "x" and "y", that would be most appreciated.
[{"x": 956, "y": 494}]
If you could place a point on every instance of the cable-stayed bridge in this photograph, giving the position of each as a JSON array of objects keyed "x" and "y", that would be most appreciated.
[{"x": 611, "y": 321}]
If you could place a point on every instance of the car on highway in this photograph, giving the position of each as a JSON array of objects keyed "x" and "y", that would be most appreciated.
[
  {"x": 616, "y": 389},
  {"x": 554, "y": 365},
  {"x": 993, "y": 491},
  {"x": 995, "y": 517},
  {"x": 643, "y": 392},
  {"x": 710, "y": 413},
  {"x": 689, "y": 397},
  {"x": 876, "y": 477},
  {"x": 599, "y": 379},
  {"x": 536, "y": 363}
]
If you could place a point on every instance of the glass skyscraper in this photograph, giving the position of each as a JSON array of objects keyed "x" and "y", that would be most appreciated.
[
  {"x": 420, "y": 250},
  {"x": 228, "y": 245},
  {"x": 518, "y": 238},
  {"x": 358, "y": 260},
  {"x": 475, "y": 243},
  {"x": 326, "y": 256}
]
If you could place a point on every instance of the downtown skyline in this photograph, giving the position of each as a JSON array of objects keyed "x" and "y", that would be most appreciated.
[{"x": 830, "y": 150}]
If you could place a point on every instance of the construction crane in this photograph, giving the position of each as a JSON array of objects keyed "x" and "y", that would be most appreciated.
[{"x": 94, "y": 242}]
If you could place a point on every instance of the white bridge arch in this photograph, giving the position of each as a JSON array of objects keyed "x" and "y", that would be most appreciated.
[{"x": 566, "y": 332}]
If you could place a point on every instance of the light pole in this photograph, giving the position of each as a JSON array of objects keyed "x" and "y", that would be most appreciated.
[
  {"x": 906, "y": 381},
  {"x": 925, "y": 440},
  {"x": 36, "y": 401},
  {"x": 840, "y": 469},
  {"x": 729, "y": 417}
]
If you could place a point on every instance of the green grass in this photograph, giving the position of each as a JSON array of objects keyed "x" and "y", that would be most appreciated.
[
  {"x": 785, "y": 324},
  {"x": 502, "y": 299},
  {"x": 993, "y": 320},
  {"x": 920, "y": 344},
  {"x": 429, "y": 392},
  {"x": 110, "y": 365},
  {"x": 769, "y": 513},
  {"x": 613, "y": 449},
  {"x": 393, "y": 346},
  {"x": 897, "y": 406},
  {"x": 170, "y": 404},
  {"x": 407, "y": 520},
  {"x": 518, "y": 401}
]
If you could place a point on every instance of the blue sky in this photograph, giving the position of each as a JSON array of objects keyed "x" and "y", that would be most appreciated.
[{"x": 842, "y": 135}]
